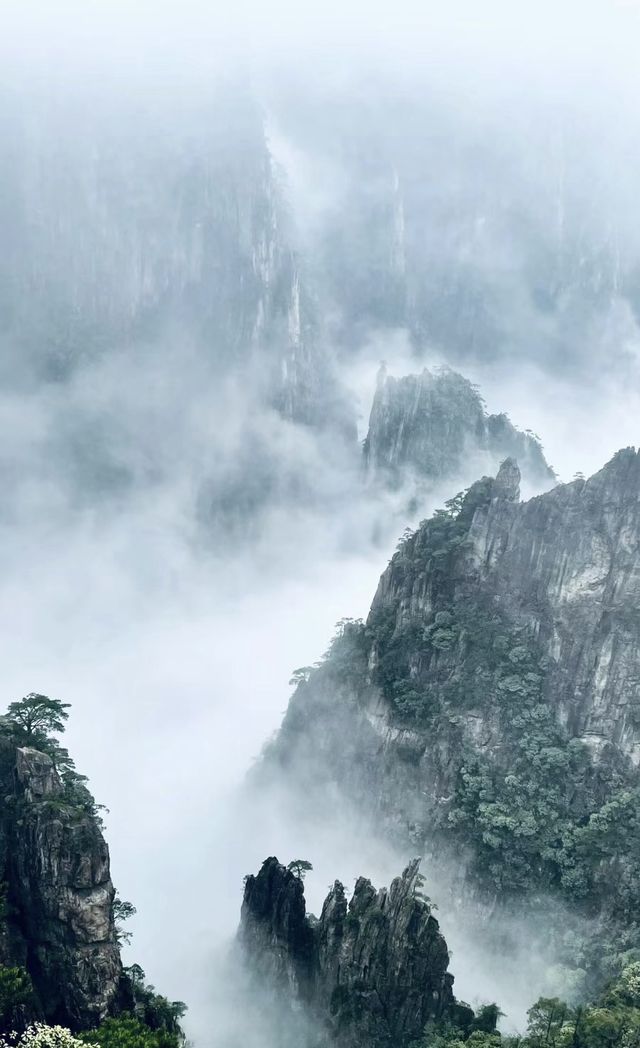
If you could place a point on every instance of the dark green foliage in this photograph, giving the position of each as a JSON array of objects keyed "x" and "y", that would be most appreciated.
[
  {"x": 122, "y": 911},
  {"x": 534, "y": 812},
  {"x": 533, "y": 808},
  {"x": 17, "y": 1000},
  {"x": 407, "y": 653},
  {"x": 127, "y": 1031},
  {"x": 300, "y": 867},
  {"x": 518, "y": 811},
  {"x": 464, "y": 1027},
  {"x": 348, "y": 643},
  {"x": 152, "y": 1009},
  {"x": 486, "y": 1018},
  {"x": 548, "y": 1018},
  {"x": 36, "y": 717},
  {"x": 612, "y": 1021},
  {"x": 34, "y": 721}
]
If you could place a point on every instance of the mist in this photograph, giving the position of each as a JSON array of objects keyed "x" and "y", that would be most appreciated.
[{"x": 454, "y": 190}]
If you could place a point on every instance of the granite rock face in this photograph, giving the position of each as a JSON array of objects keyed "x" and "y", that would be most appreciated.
[
  {"x": 275, "y": 931},
  {"x": 371, "y": 971},
  {"x": 433, "y": 426},
  {"x": 490, "y": 704},
  {"x": 567, "y": 565},
  {"x": 58, "y": 914}
]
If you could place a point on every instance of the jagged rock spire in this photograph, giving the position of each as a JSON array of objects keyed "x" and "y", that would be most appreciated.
[
  {"x": 507, "y": 482},
  {"x": 372, "y": 972}
]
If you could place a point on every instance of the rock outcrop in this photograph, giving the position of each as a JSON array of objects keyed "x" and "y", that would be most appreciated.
[
  {"x": 433, "y": 426},
  {"x": 370, "y": 972},
  {"x": 57, "y": 915},
  {"x": 489, "y": 708}
]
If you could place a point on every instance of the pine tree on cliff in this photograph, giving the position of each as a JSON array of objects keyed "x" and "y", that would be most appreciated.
[{"x": 38, "y": 716}]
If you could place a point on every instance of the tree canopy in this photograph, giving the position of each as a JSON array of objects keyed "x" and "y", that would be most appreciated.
[
  {"x": 38, "y": 716},
  {"x": 299, "y": 867}
]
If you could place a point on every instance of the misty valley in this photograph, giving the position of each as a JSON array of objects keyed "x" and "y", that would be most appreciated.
[{"x": 320, "y": 532}]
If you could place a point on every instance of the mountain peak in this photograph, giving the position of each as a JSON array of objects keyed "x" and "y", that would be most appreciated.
[
  {"x": 507, "y": 482},
  {"x": 371, "y": 972}
]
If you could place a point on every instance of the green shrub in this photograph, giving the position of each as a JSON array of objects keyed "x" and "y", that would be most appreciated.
[
  {"x": 127, "y": 1031},
  {"x": 16, "y": 998}
]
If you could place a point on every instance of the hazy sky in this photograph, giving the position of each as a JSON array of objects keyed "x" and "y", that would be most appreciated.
[{"x": 591, "y": 36}]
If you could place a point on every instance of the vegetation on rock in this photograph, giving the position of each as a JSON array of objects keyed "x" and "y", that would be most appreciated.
[
  {"x": 487, "y": 707},
  {"x": 56, "y": 896},
  {"x": 612, "y": 1021}
]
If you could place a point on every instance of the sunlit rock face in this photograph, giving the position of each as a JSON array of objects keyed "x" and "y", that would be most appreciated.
[
  {"x": 57, "y": 919},
  {"x": 370, "y": 972},
  {"x": 433, "y": 426},
  {"x": 489, "y": 707}
]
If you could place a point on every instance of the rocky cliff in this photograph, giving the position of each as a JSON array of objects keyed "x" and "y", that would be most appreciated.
[
  {"x": 57, "y": 915},
  {"x": 433, "y": 426},
  {"x": 370, "y": 972},
  {"x": 489, "y": 708},
  {"x": 128, "y": 223}
]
